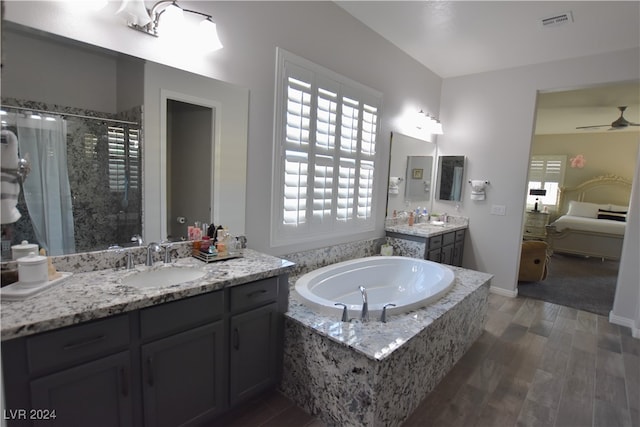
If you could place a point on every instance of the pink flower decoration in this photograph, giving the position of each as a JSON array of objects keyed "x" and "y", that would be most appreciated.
[{"x": 578, "y": 161}]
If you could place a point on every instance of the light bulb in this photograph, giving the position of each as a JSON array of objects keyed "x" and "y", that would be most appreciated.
[{"x": 171, "y": 20}]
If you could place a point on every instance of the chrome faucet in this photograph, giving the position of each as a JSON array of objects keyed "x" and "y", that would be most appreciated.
[
  {"x": 137, "y": 239},
  {"x": 167, "y": 253},
  {"x": 383, "y": 317},
  {"x": 153, "y": 246},
  {"x": 364, "y": 316}
]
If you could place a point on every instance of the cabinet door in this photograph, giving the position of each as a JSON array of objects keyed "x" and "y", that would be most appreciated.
[
  {"x": 434, "y": 255},
  {"x": 183, "y": 377},
  {"x": 96, "y": 394},
  {"x": 447, "y": 254},
  {"x": 253, "y": 352}
]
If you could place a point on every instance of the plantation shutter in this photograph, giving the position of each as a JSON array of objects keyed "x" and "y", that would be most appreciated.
[{"x": 326, "y": 135}]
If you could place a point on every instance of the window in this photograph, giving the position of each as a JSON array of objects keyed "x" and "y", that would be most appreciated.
[
  {"x": 547, "y": 173},
  {"x": 325, "y": 152}
]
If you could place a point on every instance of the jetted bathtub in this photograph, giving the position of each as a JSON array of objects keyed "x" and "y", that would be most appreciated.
[{"x": 409, "y": 283}]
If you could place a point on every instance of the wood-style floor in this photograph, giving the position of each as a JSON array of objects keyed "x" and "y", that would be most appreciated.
[{"x": 536, "y": 364}]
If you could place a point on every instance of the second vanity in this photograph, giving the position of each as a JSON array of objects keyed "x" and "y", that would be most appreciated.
[
  {"x": 439, "y": 242},
  {"x": 100, "y": 352}
]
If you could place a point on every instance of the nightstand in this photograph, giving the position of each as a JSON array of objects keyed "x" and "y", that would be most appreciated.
[{"x": 535, "y": 225}]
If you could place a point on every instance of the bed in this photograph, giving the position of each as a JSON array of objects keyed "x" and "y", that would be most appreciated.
[{"x": 592, "y": 218}]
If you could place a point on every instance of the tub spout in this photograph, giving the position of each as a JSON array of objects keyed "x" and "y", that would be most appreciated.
[{"x": 364, "y": 316}]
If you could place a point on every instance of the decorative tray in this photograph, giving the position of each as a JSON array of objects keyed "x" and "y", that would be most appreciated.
[{"x": 202, "y": 256}]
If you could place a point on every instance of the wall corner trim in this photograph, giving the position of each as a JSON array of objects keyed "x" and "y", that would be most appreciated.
[{"x": 624, "y": 321}]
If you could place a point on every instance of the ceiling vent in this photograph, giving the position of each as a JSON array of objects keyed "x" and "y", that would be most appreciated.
[{"x": 557, "y": 20}]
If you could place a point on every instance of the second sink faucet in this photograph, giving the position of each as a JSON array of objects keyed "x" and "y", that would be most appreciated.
[{"x": 153, "y": 247}]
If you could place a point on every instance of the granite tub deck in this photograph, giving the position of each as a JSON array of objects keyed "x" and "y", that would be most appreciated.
[
  {"x": 410, "y": 241},
  {"x": 376, "y": 374},
  {"x": 93, "y": 295}
]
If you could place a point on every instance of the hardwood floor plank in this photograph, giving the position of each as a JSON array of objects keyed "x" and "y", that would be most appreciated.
[
  {"x": 534, "y": 414},
  {"x": 611, "y": 389},
  {"x": 608, "y": 415},
  {"x": 546, "y": 389}
]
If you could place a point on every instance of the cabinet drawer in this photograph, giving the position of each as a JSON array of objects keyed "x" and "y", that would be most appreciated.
[
  {"x": 435, "y": 242},
  {"x": 244, "y": 297},
  {"x": 76, "y": 344},
  {"x": 459, "y": 235},
  {"x": 177, "y": 316},
  {"x": 448, "y": 238}
]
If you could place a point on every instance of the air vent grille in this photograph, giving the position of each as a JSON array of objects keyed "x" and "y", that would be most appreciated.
[{"x": 556, "y": 20}]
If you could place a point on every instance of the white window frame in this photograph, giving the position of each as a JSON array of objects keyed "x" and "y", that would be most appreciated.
[
  {"x": 546, "y": 170},
  {"x": 342, "y": 176}
]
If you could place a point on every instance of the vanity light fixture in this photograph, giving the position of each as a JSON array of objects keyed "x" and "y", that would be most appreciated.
[
  {"x": 429, "y": 123},
  {"x": 172, "y": 15}
]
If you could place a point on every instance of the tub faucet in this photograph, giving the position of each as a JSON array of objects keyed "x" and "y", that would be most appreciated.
[
  {"x": 153, "y": 246},
  {"x": 383, "y": 317},
  {"x": 364, "y": 316}
]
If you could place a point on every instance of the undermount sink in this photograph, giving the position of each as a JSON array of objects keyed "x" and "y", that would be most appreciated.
[{"x": 163, "y": 277}]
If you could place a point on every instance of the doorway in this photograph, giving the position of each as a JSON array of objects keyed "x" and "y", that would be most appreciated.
[
  {"x": 190, "y": 130},
  {"x": 589, "y": 152}
]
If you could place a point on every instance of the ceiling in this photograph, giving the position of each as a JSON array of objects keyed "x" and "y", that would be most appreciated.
[{"x": 456, "y": 38}]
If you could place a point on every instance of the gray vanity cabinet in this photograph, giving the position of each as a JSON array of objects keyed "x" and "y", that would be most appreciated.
[
  {"x": 446, "y": 248},
  {"x": 97, "y": 393},
  {"x": 183, "y": 376},
  {"x": 178, "y": 363},
  {"x": 254, "y": 339},
  {"x": 182, "y": 361}
]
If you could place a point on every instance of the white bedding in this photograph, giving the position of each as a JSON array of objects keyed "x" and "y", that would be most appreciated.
[{"x": 589, "y": 224}]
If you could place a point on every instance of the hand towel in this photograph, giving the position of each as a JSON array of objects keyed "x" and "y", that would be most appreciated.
[{"x": 10, "y": 185}]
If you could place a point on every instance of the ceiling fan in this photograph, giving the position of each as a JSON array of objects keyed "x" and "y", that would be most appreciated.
[{"x": 619, "y": 123}]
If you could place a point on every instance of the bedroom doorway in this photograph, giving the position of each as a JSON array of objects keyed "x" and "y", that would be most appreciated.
[{"x": 563, "y": 156}]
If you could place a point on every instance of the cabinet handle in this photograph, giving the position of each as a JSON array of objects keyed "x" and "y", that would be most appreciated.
[
  {"x": 150, "y": 379},
  {"x": 236, "y": 339},
  {"x": 82, "y": 343},
  {"x": 125, "y": 381},
  {"x": 258, "y": 292}
]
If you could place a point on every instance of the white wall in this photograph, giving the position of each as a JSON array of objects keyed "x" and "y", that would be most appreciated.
[{"x": 489, "y": 118}]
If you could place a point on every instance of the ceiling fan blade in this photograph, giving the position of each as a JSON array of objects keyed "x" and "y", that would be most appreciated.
[{"x": 591, "y": 127}]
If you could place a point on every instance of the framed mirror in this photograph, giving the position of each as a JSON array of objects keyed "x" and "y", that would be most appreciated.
[
  {"x": 450, "y": 177},
  {"x": 122, "y": 184},
  {"x": 406, "y": 190}
]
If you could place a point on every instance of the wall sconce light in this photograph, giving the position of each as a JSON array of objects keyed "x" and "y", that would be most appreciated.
[
  {"x": 429, "y": 124},
  {"x": 172, "y": 16}
]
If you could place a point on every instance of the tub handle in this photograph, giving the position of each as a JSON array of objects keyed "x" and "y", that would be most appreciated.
[
  {"x": 383, "y": 317},
  {"x": 345, "y": 312}
]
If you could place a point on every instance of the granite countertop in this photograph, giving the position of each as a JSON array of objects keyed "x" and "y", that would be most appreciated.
[
  {"x": 425, "y": 229},
  {"x": 93, "y": 295},
  {"x": 377, "y": 340}
]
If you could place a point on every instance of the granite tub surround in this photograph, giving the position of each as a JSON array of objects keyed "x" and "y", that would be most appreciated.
[
  {"x": 315, "y": 258},
  {"x": 97, "y": 294},
  {"x": 376, "y": 374},
  {"x": 407, "y": 247}
]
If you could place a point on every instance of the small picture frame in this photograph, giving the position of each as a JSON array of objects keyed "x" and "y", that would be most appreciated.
[{"x": 416, "y": 173}]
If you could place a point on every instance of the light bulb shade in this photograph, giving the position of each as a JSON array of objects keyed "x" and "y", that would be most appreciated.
[
  {"x": 437, "y": 128},
  {"x": 135, "y": 11},
  {"x": 208, "y": 33},
  {"x": 171, "y": 20}
]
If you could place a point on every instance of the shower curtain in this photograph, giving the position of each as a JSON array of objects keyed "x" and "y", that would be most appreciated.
[{"x": 46, "y": 190}]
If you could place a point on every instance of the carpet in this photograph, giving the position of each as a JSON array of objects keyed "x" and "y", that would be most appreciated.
[{"x": 587, "y": 284}]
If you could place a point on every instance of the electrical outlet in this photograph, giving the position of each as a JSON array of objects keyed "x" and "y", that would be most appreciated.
[{"x": 498, "y": 210}]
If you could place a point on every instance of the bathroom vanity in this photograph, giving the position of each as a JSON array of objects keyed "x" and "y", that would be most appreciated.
[
  {"x": 98, "y": 352},
  {"x": 443, "y": 243}
]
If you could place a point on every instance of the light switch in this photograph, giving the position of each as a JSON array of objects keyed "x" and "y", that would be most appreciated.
[{"x": 498, "y": 210}]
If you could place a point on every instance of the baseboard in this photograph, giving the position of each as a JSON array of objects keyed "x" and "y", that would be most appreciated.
[
  {"x": 503, "y": 292},
  {"x": 623, "y": 321}
]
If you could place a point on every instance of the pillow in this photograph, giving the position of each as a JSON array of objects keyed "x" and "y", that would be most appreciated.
[
  {"x": 614, "y": 215},
  {"x": 618, "y": 208},
  {"x": 584, "y": 209}
]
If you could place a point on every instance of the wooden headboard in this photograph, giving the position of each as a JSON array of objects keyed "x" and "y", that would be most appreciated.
[{"x": 602, "y": 190}]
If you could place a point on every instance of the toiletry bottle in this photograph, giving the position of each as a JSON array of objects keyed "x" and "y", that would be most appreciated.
[{"x": 410, "y": 219}]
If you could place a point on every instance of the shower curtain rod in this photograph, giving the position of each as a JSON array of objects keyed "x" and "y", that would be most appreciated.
[{"x": 80, "y": 116}]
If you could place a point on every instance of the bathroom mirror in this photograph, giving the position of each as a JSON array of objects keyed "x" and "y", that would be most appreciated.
[
  {"x": 418, "y": 181},
  {"x": 91, "y": 81},
  {"x": 403, "y": 149},
  {"x": 450, "y": 177}
]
